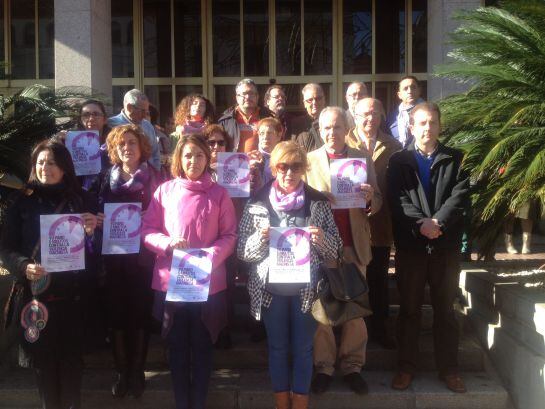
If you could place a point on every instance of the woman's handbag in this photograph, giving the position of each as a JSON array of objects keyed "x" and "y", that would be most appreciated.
[{"x": 341, "y": 294}]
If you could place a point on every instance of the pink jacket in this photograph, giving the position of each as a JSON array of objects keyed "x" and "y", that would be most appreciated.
[{"x": 202, "y": 213}]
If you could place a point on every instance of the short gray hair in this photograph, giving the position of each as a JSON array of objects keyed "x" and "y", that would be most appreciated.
[
  {"x": 312, "y": 85},
  {"x": 246, "y": 81},
  {"x": 362, "y": 84},
  {"x": 133, "y": 96},
  {"x": 338, "y": 110}
]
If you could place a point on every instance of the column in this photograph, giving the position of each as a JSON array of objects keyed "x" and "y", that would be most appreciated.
[
  {"x": 440, "y": 24},
  {"x": 83, "y": 45}
]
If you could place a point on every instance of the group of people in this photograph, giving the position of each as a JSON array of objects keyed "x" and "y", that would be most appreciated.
[{"x": 415, "y": 195}]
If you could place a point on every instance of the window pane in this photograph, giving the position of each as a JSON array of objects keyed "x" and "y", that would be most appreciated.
[
  {"x": 157, "y": 53},
  {"x": 226, "y": 37},
  {"x": 122, "y": 39},
  {"x": 390, "y": 31},
  {"x": 224, "y": 97},
  {"x": 288, "y": 37},
  {"x": 160, "y": 96},
  {"x": 187, "y": 38},
  {"x": 357, "y": 36},
  {"x": 420, "y": 36},
  {"x": 23, "y": 44},
  {"x": 46, "y": 38},
  {"x": 318, "y": 37},
  {"x": 118, "y": 92},
  {"x": 2, "y": 58},
  {"x": 256, "y": 37}
]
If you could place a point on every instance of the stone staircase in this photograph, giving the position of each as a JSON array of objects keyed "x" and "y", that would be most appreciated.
[{"x": 240, "y": 379}]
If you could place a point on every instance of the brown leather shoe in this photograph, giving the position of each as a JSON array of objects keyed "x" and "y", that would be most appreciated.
[
  {"x": 282, "y": 400},
  {"x": 299, "y": 401},
  {"x": 402, "y": 380},
  {"x": 454, "y": 382}
]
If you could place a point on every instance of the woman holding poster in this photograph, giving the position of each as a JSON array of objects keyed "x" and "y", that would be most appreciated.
[
  {"x": 52, "y": 318},
  {"x": 190, "y": 212},
  {"x": 124, "y": 191},
  {"x": 284, "y": 299}
]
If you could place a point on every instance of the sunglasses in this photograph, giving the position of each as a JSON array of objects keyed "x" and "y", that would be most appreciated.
[
  {"x": 215, "y": 143},
  {"x": 295, "y": 167}
]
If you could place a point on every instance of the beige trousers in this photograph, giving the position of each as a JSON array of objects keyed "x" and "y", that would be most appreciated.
[{"x": 353, "y": 342}]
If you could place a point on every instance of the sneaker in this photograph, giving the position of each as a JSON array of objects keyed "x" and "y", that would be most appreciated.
[
  {"x": 356, "y": 383},
  {"x": 320, "y": 383}
]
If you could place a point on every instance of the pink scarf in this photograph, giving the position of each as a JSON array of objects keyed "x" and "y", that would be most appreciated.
[{"x": 285, "y": 202}]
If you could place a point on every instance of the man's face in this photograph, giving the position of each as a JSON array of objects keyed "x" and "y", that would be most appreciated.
[
  {"x": 354, "y": 93},
  {"x": 408, "y": 92},
  {"x": 333, "y": 131},
  {"x": 368, "y": 117},
  {"x": 247, "y": 97},
  {"x": 137, "y": 113},
  {"x": 426, "y": 127},
  {"x": 314, "y": 102},
  {"x": 277, "y": 101}
]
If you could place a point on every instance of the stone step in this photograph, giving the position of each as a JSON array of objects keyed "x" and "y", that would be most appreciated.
[
  {"x": 250, "y": 389},
  {"x": 249, "y": 355}
]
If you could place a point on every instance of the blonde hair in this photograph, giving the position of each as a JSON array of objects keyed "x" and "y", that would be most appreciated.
[
  {"x": 287, "y": 152},
  {"x": 275, "y": 123},
  {"x": 115, "y": 136},
  {"x": 198, "y": 140}
]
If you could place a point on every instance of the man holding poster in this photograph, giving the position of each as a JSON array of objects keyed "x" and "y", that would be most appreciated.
[{"x": 353, "y": 227}]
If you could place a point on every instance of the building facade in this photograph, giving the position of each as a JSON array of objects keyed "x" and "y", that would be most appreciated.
[{"x": 169, "y": 48}]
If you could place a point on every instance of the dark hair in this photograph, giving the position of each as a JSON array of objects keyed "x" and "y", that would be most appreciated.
[
  {"x": 62, "y": 159},
  {"x": 213, "y": 128},
  {"x": 184, "y": 107},
  {"x": 269, "y": 90},
  {"x": 102, "y": 108},
  {"x": 153, "y": 115},
  {"x": 408, "y": 77}
]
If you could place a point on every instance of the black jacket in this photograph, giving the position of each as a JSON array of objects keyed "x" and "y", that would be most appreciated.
[
  {"x": 21, "y": 232},
  {"x": 229, "y": 123},
  {"x": 408, "y": 201}
]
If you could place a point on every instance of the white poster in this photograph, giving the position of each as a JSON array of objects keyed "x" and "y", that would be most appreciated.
[
  {"x": 347, "y": 176},
  {"x": 84, "y": 147},
  {"x": 234, "y": 173},
  {"x": 190, "y": 274},
  {"x": 62, "y": 239},
  {"x": 289, "y": 255},
  {"x": 121, "y": 230}
]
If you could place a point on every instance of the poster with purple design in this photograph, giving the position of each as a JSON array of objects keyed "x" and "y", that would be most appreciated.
[
  {"x": 289, "y": 255},
  {"x": 347, "y": 176},
  {"x": 84, "y": 147},
  {"x": 234, "y": 173},
  {"x": 121, "y": 230},
  {"x": 190, "y": 274},
  {"x": 62, "y": 240}
]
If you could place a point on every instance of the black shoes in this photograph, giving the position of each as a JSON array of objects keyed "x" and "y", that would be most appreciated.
[
  {"x": 137, "y": 383},
  {"x": 356, "y": 383},
  {"x": 320, "y": 383},
  {"x": 121, "y": 386}
]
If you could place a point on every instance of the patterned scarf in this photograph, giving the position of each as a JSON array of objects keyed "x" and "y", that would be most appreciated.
[
  {"x": 284, "y": 202},
  {"x": 135, "y": 184}
]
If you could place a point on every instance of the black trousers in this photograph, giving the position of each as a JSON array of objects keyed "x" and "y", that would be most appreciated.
[
  {"x": 441, "y": 270},
  {"x": 57, "y": 356},
  {"x": 377, "y": 278}
]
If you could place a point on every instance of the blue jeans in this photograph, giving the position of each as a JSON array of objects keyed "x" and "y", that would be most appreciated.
[
  {"x": 289, "y": 331},
  {"x": 190, "y": 357}
]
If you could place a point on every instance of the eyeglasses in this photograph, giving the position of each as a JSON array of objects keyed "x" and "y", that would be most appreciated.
[
  {"x": 369, "y": 114},
  {"x": 314, "y": 99},
  {"x": 250, "y": 94},
  {"x": 87, "y": 115},
  {"x": 212, "y": 142},
  {"x": 143, "y": 110},
  {"x": 295, "y": 167}
]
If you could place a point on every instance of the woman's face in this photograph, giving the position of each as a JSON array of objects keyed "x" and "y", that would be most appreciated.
[
  {"x": 47, "y": 170},
  {"x": 288, "y": 175},
  {"x": 197, "y": 109},
  {"x": 193, "y": 161},
  {"x": 92, "y": 117},
  {"x": 128, "y": 150},
  {"x": 217, "y": 143},
  {"x": 268, "y": 138}
]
